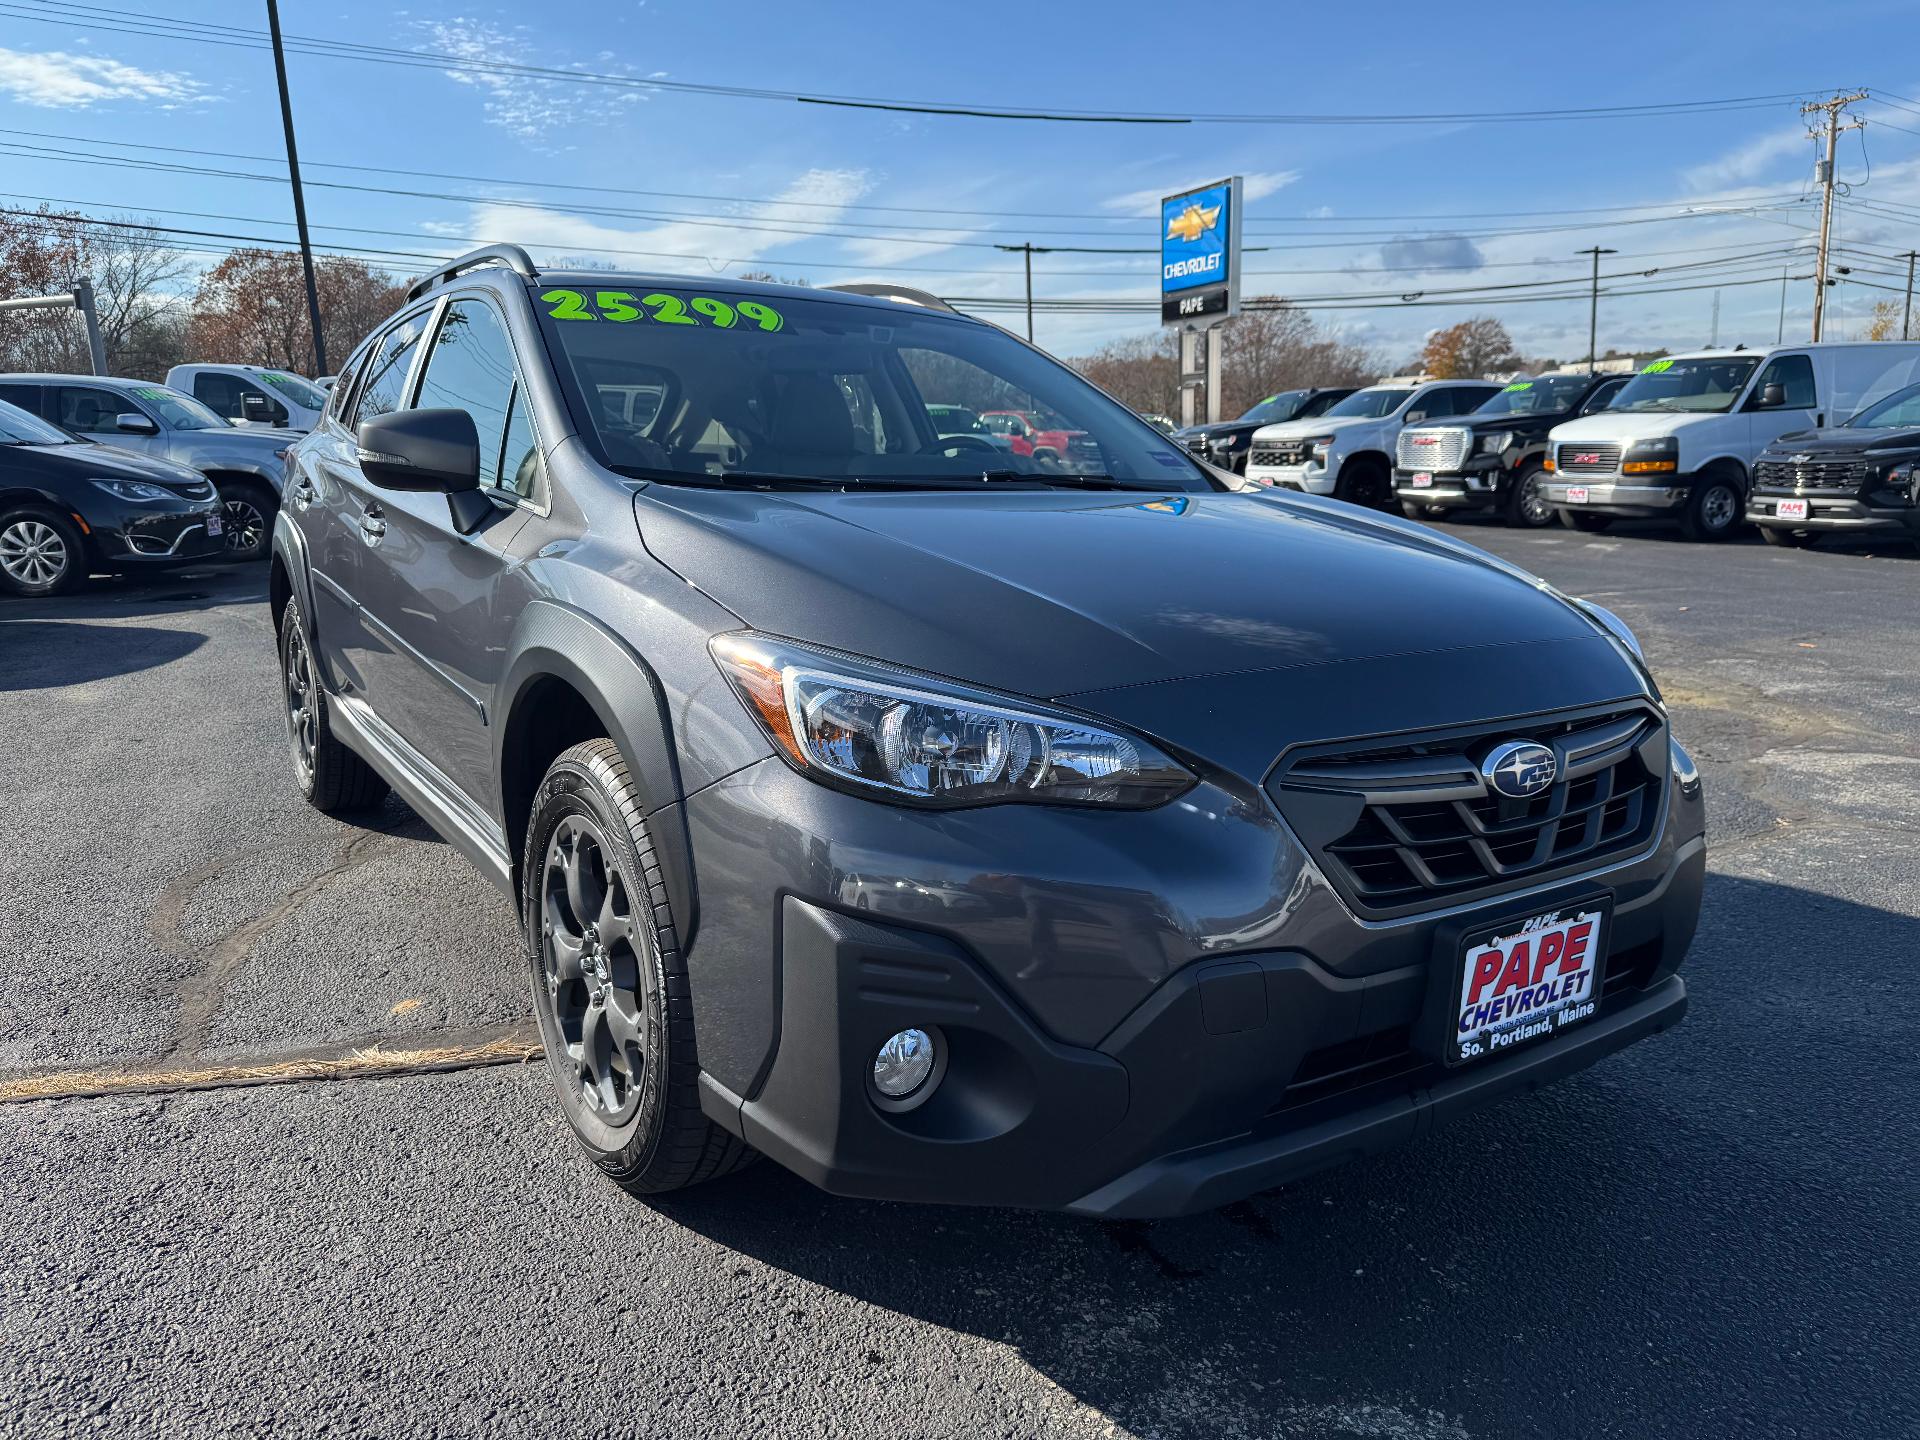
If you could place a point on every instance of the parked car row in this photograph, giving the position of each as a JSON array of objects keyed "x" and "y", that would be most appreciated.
[
  {"x": 103, "y": 473},
  {"x": 1798, "y": 440}
]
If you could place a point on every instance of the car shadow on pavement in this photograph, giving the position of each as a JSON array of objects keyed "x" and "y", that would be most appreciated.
[
  {"x": 1647, "y": 1247},
  {"x": 129, "y": 596},
  {"x": 45, "y": 655}
]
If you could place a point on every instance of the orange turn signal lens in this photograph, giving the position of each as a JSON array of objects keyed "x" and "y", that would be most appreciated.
[
  {"x": 761, "y": 685},
  {"x": 1547, "y": 465},
  {"x": 1649, "y": 467}
]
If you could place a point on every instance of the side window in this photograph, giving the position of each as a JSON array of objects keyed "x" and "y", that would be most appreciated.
[
  {"x": 1793, "y": 374},
  {"x": 219, "y": 393},
  {"x": 520, "y": 457},
  {"x": 386, "y": 382},
  {"x": 1436, "y": 404},
  {"x": 470, "y": 368},
  {"x": 1602, "y": 397},
  {"x": 87, "y": 411},
  {"x": 27, "y": 397}
]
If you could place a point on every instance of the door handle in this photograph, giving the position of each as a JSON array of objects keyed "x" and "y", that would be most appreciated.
[{"x": 373, "y": 524}]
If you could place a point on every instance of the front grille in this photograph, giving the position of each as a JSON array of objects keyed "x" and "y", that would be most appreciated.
[
  {"x": 1432, "y": 449},
  {"x": 1402, "y": 826},
  {"x": 1811, "y": 474},
  {"x": 1280, "y": 452},
  {"x": 1083, "y": 447},
  {"x": 1587, "y": 459}
]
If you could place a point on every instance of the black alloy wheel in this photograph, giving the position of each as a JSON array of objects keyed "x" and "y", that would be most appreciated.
[
  {"x": 246, "y": 522},
  {"x": 1365, "y": 483},
  {"x": 1527, "y": 505}
]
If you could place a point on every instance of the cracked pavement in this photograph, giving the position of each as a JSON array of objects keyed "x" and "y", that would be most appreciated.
[{"x": 1709, "y": 1234}]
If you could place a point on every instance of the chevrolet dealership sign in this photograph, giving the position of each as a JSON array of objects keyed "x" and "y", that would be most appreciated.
[{"x": 1200, "y": 254}]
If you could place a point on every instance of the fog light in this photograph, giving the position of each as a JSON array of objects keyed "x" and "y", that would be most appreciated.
[{"x": 903, "y": 1064}]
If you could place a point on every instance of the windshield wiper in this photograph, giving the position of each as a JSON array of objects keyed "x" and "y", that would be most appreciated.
[{"x": 1066, "y": 479}]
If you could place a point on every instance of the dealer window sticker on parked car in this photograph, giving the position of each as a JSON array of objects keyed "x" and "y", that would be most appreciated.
[
  {"x": 1518, "y": 385},
  {"x": 623, "y": 307},
  {"x": 1655, "y": 367}
]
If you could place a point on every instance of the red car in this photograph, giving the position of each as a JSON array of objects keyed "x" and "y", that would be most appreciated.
[{"x": 1029, "y": 434}]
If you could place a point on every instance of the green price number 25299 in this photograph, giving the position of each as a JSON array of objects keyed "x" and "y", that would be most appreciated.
[{"x": 622, "y": 307}]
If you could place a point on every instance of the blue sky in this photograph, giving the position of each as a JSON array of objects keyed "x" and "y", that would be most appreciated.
[{"x": 1328, "y": 199}]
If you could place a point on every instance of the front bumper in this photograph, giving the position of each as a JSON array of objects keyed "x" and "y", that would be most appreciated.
[
  {"x": 1458, "y": 490},
  {"x": 1828, "y": 512},
  {"x": 1143, "y": 1015},
  {"x": 144, "y": 537},
  {"x": 1308, "y": 479},
  {"x": 1621, "y": 497}
]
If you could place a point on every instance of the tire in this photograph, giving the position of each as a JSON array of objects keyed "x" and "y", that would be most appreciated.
[
  {"x": 41, "y": 553},
  {"x": 1788, "y": 539},
  {"x": 1714, "y": 509},
  {"x": 247, "y": 509},
  {"x": 1364, "y": 482},
  {"x": 334, "y": 779},
  {"x": 1526, "y": 507},
  {"x": 610, "y": 984},
  {"x": 1584, "y": 520}
]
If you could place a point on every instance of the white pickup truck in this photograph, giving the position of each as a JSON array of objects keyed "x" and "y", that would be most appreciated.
[{"x": 1348, "y": 451}]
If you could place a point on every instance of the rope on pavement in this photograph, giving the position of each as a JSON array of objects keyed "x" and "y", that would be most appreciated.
[{"x": 375, "y": 1061}]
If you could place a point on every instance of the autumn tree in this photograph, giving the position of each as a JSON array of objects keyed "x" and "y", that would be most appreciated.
[
  {"x": 1468, "y": 350},
  {"x": 1886, "y": 321},
  {"x": 1142, "y": 372},
  {"x": 251, "y": 308},
  {"x": 135, "y": 273}
]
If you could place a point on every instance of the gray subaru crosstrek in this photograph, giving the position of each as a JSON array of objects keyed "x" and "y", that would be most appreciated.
[{"x": 945, "y": 825}]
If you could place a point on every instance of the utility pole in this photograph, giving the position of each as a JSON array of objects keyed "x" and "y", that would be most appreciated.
[
  {"x": 1029, "y": 251},
  {"x": 1906, "y": 315},
  {"x": 299, "y": 198},
  {"x": 1781, "y": 338},
  {"x": 1593, "y": 308},
  {"x": 1714, "y": 343},
  {"x": 1831, "y": 128}
]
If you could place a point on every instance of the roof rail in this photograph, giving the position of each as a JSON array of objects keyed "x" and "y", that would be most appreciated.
[
  {"x": 901, "y": 293},
  {"x": 511, "y": 256}
]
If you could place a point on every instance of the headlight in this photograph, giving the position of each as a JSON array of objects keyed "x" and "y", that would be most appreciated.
[
  {"x": 1652, "y": 457},
  {"x": 1231, "y": 442},
  {"x": 1493, "y": 444},
  {"x": 1320, "y": 445},
  {"x": 136, "y": 490},
  {"x": 867, "y": 727}
]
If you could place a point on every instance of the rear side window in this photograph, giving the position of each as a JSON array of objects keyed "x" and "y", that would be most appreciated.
[
  {"x": 385, "y": 389},
  {"x": 470, "y": 368},
  {"x": 342, "y": 393},
  {"x": 87, "y": 411},
  {"x": 27, "y": 397},
  {"x": 1793, "y": 374}
]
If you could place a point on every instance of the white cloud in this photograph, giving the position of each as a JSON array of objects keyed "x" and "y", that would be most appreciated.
[
  {"x": 812, "y": 202},
  {"x": 1256, "y": 186},
  {"x": 526, "y": 106},
  {"x": 1747, "y": 162},
  {"x": 55, "y": 80}
]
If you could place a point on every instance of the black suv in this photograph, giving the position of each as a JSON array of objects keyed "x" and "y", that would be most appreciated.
[
  {"x": 945, "y": 823},
  {"x": 1860, "y": 477},
  {"x": 1225, "y": 443},
  {"x": 1494, "y": 458}
]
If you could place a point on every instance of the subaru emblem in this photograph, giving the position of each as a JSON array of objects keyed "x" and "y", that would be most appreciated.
[{"x": 1519, "y": 769}]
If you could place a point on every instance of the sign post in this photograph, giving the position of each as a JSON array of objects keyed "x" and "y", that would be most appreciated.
[{"x": 1200, "y": 283}]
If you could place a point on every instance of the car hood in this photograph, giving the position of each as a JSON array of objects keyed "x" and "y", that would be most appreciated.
[
  {"x": 110, "y": 462},
  {"x": 1220, "y": 427},
  {"x": 1319, "y": 425},
  {"x": 1617, "y": 427},
  {"x": 1052, "y": 593},
  {"x": 1844, "y": 441}
]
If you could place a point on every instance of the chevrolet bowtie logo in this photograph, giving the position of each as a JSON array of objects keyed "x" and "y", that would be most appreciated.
[{"x": 1193, "y": 222}]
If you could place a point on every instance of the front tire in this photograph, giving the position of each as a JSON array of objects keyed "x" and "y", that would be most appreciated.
[
  {"x": 610, "y": 984},
  {"x": 1365, "y": 483},
  {"x": 334, "y": 779},
  {"x": 1713, "y": 509},
  {"x": 246, "y": 515},
  {"x": 1527, "y": 505},
  {"x": 40, "y": 553}
]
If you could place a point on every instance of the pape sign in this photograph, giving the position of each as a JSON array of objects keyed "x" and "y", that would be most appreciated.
[{"x": 1528, "y": 983}]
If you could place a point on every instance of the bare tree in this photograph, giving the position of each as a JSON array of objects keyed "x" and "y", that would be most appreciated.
[{"x": 136, "y": 274}]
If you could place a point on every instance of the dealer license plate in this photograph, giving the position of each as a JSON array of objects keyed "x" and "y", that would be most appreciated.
[
  {"x": 1577, "y": 494},
  {"x": 214, "y": 525},
  {"x": 1791, "y": 510},
  {"x": 1422, "y": 479},
  {"x": 1525, "y": 980}
]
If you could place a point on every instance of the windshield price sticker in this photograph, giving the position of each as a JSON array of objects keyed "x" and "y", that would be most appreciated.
[
  {"x": 1656, "y": 367},
  {"x": 623, "y": 307},
  {"x": 1529, "y": 983},
  {"x": 150, "y": 394},
  {"x": 1518, "y": 385}
]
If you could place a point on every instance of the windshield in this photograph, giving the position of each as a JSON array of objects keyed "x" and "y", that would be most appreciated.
[
  {"x": 303, "y": 393},
  {"x": 17, "y": 427},
  {"x": 1690, "y": 386},
  {"x": 1899, "y": 410},
  {"x": 1275, "y": 408},
  {"x": 181, "y": 412},
  {"x": 813, "y": 390},
  {"x": 1546, "y": 396},
  {"x": 1369, "y": 404}
]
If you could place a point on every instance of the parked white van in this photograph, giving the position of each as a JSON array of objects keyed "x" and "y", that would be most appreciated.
[
  {"x": 1680, "y": 440},
  {"x": 252, "y": 394},
  {"x": 1348, "y": 451}
]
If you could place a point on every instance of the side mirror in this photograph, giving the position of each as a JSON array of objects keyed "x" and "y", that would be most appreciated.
[
  {"x": 255, "y": 406},
  {"x": 134, "y": 423},
  {"x": 1415, "y": 416},
  {"x": 421, "y": 450},
  {"x": 1773, "y": 397}
]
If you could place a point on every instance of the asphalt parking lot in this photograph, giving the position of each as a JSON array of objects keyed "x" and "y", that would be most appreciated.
[{"x": 1712, "y": 1234}]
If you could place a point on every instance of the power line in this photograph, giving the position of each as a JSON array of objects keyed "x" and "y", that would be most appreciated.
[{"x": 148, "y": 23}]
